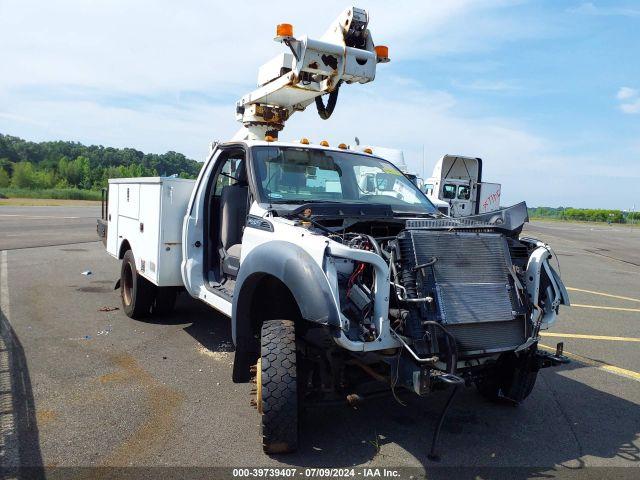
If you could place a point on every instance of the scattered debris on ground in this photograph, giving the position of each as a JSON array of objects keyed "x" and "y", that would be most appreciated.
[
  {"x": 216, "y": 355},
  {"x": 106, "y": 330},
  {"x": 106, "y": 308}
]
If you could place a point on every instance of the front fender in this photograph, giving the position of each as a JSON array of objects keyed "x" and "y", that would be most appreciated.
[{"x": 295, "y": 268}]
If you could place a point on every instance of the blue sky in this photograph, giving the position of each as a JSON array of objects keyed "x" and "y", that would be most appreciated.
[{"x": 546, "y": 92}]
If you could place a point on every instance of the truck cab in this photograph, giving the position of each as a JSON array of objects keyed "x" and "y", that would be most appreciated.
[
  {"x": 243, "y": 183},
  {"x": 458, "y": 193},
  {"x": 457, "y": 180}
]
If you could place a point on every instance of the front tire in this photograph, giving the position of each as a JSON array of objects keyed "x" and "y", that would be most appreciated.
[
  {"x": 277, "y": 387},
  {"x": 511, "y": 380},
  {"x": 135, "y": 290}
]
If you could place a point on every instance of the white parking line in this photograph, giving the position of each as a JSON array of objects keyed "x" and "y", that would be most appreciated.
[
  {"x": 573, "y": 289},
  {"x": 33, "y": 217},
  {"x": 9, "y": 455},
  {"x": 4, "y": 286},
  {"x": 600, "y": 307},
  {"x": 603, "y": 366}
]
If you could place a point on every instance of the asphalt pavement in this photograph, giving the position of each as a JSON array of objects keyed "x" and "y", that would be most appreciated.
[
  {"x": 22, "y": 227},
  {"x": 82, "y": 385}
]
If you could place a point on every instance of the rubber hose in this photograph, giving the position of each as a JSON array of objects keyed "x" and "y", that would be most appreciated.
[{"x": 326, "y": 111}]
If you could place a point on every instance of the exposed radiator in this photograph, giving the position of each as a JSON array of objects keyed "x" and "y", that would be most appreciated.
[
  {"x": 473, "y": 286},
  {"x": 488, "y": 336}
]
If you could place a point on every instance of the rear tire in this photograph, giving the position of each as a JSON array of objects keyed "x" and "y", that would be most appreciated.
[
  {"x": 165, "y": 300},
  {"x": 135, "y": 290},
  {"x": 278, "y": 388}
]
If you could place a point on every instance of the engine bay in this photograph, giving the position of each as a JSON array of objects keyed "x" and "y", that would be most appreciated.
[{"x": 456, "y": 285}]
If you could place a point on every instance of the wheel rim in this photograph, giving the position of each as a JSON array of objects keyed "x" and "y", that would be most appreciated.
[
  {"x": 127, "y": 286},
  {"x": 259, "y": 385}
]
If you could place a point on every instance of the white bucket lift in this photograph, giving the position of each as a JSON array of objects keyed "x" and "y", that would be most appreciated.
[{"x": 292, "y": 81}]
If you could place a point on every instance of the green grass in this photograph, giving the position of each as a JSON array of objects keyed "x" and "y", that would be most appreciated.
[
  {"x": 54, "y": 193},
  {"x": 628, "y": 223}
]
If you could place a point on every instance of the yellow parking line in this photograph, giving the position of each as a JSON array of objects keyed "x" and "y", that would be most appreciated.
[
  {"x": 603, "y": 294},
  {"x": 620, "y": 309},
  {"x": 589, "y": 337},
  {"x": 605, "y": 367}
]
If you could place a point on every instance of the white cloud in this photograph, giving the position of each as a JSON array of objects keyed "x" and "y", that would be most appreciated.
[
  {"x": 589, "y": 8},
  {"x": 149, "y": 46},
  {"x": 631, "y": 107},
  {"x": 528, "y": 165},
  {"x": 629, "y": 100},
  {"x": 626, "y": 93},
  {"x": 162, "y": 75},
  {"x": 142, "y": 59}
]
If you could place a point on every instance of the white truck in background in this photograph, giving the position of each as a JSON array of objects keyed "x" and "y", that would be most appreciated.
[
  {"x": 457, "y": 181},
  {"x": 396, "y": 156},
  {"x": 455, "y": 187}
]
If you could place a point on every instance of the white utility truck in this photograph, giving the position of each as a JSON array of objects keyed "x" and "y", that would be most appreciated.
[
  {"x": 457, "y": 180},
  {"x": 335, "y": 291}
]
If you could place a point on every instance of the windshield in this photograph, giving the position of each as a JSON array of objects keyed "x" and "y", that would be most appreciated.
[{"x": 302, "y": 175}]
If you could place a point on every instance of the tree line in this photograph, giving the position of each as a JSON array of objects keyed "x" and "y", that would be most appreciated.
[
  {"x": 585, "y": 214},
  {"x": 72, "y": 165}
]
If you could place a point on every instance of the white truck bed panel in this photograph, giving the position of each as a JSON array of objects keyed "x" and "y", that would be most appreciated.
[{"x": 148, "y": 213}]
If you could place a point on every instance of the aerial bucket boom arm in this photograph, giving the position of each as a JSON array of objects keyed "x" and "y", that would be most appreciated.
[{"x": 292, "y": 81}]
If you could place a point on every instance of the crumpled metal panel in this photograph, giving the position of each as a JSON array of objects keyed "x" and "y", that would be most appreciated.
[{"x": 509, "y": 219}]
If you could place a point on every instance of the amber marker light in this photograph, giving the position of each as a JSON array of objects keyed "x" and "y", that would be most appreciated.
[
  {"x": 284, "y": 30},
  {"x": 382, "y": 52}
]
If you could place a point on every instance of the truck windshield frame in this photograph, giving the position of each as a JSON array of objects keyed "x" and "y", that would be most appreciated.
[{"x": 300, "y": 175}]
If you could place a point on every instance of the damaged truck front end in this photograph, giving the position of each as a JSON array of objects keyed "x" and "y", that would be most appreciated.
[
  {"x": 465, "y": 302},
  {"x": 381, "y": 292}
]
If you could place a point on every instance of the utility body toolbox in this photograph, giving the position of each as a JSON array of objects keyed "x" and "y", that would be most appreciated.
[{"x": 147, "y": 213}]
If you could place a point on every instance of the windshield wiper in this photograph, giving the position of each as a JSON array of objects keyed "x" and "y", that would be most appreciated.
[
  {"x": 303, "y": 202},
  {"x": 415, "y": 214}
]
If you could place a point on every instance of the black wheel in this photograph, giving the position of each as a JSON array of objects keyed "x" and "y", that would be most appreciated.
[
  {"x": 135, "y": 290},
  {"x": 277, "y": 389},
  {"x": 164, "y": 301},
  {"x": 512, "y": 379}
]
